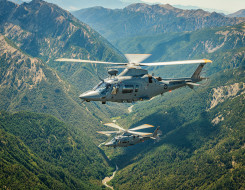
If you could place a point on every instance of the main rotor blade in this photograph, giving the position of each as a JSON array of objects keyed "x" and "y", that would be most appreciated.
[
  {"x": 177, "y": 62},
  {"x": 141, "y": 127},
  {"x": 114, "y": 126},
  {"x": 87, "y": 61},
  {"x": 108, "y": 132},
  {"x": 136, "y": 58},
  {"x": 139, "y": 133}
]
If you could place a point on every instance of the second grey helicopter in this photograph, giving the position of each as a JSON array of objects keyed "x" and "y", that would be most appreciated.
[{"x": 129, "y": 137}]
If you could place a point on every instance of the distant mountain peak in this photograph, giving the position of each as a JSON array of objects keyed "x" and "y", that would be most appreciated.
[
  {"x": 164, "y": 9},
  {"x": 40, "y": 2},
  {"x": 136, "y": 5},
  {"x": 240, "y": 13},
  {"x": 36, "y": 1},
  {"x": 166, "y": 6},
  {"x": 144, "y": 5}
]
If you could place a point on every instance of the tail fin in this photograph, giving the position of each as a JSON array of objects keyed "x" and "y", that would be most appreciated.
[
  {"x": 156, "y": 132},
  {"x": 196, "y": 74}
]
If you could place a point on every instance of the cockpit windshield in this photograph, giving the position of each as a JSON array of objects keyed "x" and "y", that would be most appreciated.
[
  {"x": 102, "y": 86},
  {"x": 113, "y": 140}
]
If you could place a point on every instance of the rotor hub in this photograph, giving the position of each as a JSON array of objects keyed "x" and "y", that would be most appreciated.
[{"x": 112, "y": 72}]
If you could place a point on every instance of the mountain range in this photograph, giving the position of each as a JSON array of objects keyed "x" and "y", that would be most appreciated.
[
  {"x": 143, "y": 19},
  {"x": 75, "y": 5}
]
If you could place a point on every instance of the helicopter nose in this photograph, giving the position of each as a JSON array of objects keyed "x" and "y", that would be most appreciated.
[{"x": 90, "y": 95}]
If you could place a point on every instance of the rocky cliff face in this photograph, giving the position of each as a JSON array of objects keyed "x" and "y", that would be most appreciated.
[
  {"x": 38, "y": 26},
  {"x": 26, "y": 83},
  {"x": 19, "y": 70},
  {"x": 142, "y": 19},
  {"x": 46, "y": 31}
]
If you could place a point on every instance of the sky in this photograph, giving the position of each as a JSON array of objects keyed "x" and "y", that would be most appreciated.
[{"x": 229, "y": 6}]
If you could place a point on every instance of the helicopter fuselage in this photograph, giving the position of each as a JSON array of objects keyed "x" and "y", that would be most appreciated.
[
  {"x": 126, "y": 140},
  {"x": 132, "y": 85}
]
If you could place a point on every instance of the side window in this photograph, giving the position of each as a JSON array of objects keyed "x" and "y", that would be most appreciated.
[
  {"x": 115, "y": 89},
  {"x": 136, "y": 88},
  {"x": 128, "y": 89}
]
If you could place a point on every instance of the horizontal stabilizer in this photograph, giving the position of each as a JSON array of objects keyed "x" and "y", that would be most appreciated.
[
  {"x": 193, "y": 84},
  {"x": 139, "y": 133}
]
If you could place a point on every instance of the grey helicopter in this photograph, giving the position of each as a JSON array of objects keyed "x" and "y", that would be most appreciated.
[
  {"x": 134, "y": 83},
  {"x": 129, "y": 137}
]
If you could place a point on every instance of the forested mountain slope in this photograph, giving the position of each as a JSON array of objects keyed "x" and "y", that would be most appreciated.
[
  {"x": 28, "y": 84},
  {"x": 223, "y": 45},
  {"x": 40, "y": 151},
  {"x": 32, "y": 36}
]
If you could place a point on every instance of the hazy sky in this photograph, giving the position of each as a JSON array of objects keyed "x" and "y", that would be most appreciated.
[{"x": 226, "y": 5}]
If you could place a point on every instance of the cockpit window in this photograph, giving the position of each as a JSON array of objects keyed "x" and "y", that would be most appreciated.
[
  {"x": 102, "y": 86},
  {"x": 115, "y": 89},
  {"x": 97, "y": 85}
]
